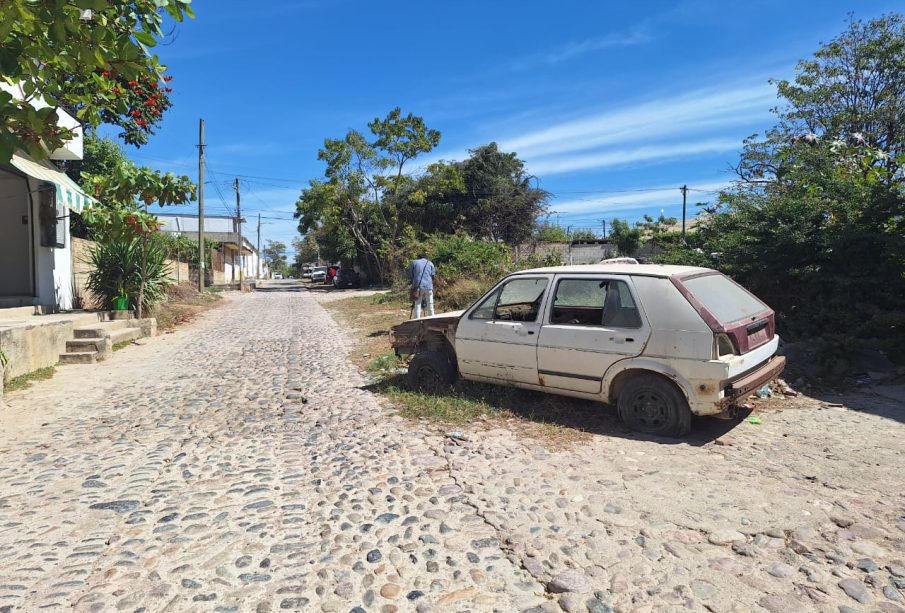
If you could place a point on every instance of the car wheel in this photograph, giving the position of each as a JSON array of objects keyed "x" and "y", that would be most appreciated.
[
  {"x": 651, "y": 404},
  {"x": 430, "y": 372}
]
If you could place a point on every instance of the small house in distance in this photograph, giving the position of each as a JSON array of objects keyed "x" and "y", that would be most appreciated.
[{"x": 229, "y": 257}]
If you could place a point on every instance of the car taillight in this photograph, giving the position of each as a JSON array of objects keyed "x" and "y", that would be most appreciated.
[{"x": 723, "y": 345}]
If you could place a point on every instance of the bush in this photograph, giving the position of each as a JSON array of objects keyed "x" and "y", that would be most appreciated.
[{"x": 117, "y": 270}]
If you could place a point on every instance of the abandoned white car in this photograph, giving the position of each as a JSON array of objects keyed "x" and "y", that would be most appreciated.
[{"x": 659, "y": 342}]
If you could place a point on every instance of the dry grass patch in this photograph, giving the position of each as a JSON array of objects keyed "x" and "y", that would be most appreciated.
[
  {"x": 184, "y": 302},
  {"x": 555, "y": 420}
]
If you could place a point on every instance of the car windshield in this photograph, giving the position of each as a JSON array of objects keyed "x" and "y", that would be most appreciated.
[{"x": 728, "y": 301}]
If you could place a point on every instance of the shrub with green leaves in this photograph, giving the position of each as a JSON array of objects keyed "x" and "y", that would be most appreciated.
[{"x": 117, "y": 270}]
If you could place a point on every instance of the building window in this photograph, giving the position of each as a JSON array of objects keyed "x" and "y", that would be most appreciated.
[{"x": 52, "y": 217}]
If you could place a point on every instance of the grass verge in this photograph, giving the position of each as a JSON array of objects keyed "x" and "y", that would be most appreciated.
[
  {"x": 554, "y": 420},
  {"x": 23, "y": 382},
  {"x": 184, "y": 302}
]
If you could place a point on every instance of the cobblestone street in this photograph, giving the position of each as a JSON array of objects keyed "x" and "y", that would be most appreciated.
[{"x": 240, "y": 465}]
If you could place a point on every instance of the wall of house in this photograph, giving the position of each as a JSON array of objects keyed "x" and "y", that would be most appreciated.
[
  {"x": 15, "y": 247},
  {"x": 53, "y": 266}
]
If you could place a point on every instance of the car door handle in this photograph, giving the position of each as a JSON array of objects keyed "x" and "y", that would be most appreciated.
[{"x": 621, "y": 339}]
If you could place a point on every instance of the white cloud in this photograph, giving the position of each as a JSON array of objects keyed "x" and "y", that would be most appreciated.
[
  {"x": 635, "y": 36},
  {"x": 602, "y": 202},
  {"x": 672, "y": 116},
  {"x": 620, "y": 157}
]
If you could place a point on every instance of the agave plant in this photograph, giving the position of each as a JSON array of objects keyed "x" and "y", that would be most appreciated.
[{"x": 117, "y": 270}]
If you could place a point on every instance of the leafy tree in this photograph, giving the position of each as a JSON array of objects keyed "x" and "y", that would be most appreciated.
[
  {"x": 814, "y": 224},
  {"x": 504, "y": 205},
  {"x": 353, "y": 210},
  {"x": 583, "y": 235},
  {"x": 652, "y": 228},
  {"x": 274, "y": 253},
  {"x": 76, "y": 55},
  {"x": 551, "y": 233},
  {"x": 306, "y": 249},
  {"x": 123, "y": 190},
  {"x": 626, "y": 238}
]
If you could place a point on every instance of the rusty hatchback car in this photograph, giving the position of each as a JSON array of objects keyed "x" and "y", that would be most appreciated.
[{"x": 659, "y": 342}]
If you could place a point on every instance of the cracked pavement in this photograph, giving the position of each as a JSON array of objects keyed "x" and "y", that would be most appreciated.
[{"x": 240, "y": 464}]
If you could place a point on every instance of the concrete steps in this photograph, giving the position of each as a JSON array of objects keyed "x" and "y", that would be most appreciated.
[
  {"x": 94, "y": 342},
  {"x": 79, "y": 357},
  {"x": 85, "y": 345}
]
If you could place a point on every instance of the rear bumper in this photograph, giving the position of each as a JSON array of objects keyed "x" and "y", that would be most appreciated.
[{"x": 749, "y": 382}]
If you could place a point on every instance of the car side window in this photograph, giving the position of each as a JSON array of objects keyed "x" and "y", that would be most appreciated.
[
  {"x": 579, "y": 302},
  {"x": 594, "y": 302},
  {"x": 619, "y": 309},
  {"x": 520, "y": 300},
  {"x": 485, "y": 309}
]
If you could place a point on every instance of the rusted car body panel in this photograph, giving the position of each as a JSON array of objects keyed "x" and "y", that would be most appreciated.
[{"x": 426, "y": 334}]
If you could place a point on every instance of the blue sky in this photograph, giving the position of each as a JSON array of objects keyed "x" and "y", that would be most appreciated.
[{"x": 612, "y": 105}]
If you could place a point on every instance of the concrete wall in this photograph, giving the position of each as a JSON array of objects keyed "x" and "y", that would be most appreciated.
[
  {"x": 81, "y": 268},
  {"x": 33, "y": 347},
  {"x": 53, "y": 266},
  {"x": 580, "y": 253}
]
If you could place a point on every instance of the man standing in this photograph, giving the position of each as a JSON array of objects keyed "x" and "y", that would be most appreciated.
[{"x": 421, "y": 275}]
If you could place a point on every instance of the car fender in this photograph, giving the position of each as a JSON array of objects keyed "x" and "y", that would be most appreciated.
[{"x": 648, "y": 364}]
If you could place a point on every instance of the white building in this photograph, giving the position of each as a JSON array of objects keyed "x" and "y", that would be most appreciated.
[{"x": 36, "y": 199}]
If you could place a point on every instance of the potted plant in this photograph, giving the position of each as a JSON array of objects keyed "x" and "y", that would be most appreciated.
[{"x": 121, "y": 300}]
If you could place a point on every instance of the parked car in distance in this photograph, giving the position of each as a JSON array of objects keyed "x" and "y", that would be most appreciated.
[
  {"x": 346, "y": 277},
  {"x": 277, "y": 275},
  {"x": 661, "y": 343},
  {"x": 318, "y": 274},
  {"x": 306, "y": 272}
]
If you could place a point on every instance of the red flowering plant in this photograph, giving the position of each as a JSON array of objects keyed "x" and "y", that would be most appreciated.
[
  {"x": 129, "y": 256},
  {"x": 139, "y": 104}
]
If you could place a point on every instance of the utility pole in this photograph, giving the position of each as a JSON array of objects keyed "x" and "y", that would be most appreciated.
[
  {"x": 239, "y": 221},
  {"x": 259, "y": 247},
  {"x": 603, "y": 221},
  {"x": 201, "y": 253},
  {"x": 684, "y": 190}
]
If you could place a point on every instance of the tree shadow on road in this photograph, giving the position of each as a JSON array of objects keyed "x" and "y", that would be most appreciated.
[
  {"x": 466, "y": 402},
  {"x": 887, "y": 401}
]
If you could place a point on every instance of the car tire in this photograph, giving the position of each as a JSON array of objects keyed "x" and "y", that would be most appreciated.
[
  {"x": 651, "y": 404},
  {"x": 431, "y": 371}
]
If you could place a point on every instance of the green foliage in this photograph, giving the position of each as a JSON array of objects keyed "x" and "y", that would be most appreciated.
[
  {"x": 583, "y": 235},
  {"x": 626, "y": 238},
  {"x": 73, "y": 55},
  {"x": 350, "y": 209},
  {"x": 128, "y": 265},
  {"x": 274, "y": 253},
  {"x": 814, "y": 226},
  {"x": 551, "y": 233}
]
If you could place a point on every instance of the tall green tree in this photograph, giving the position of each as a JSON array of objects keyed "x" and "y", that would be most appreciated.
[
  {"x": 82, "y": 55},
  {"x": 815, "y": 223},
  {"x": 627, "y": 239},
  {"x": 274, "y": 253},
  {"x": 351, "y": 208}
]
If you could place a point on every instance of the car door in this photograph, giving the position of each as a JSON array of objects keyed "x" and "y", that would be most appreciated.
[
  {"x": 592, "y": 322},
  {"x": 497, "y": 337}
]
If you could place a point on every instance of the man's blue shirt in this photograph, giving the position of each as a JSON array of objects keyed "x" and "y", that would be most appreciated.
[{"x": 422, "y": 274}]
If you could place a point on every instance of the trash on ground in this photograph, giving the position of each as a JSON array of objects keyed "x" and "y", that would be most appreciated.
[
  {"x": 754, "y": 419},
  {"x": 764, "y": 392},
  {"x": 458, "y": 436}
]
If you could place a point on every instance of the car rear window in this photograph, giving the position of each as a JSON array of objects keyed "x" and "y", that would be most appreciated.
[{"x": 728, "y": 301}]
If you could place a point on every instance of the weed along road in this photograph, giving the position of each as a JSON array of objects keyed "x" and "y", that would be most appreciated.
[{"x": 242, "y": 464}]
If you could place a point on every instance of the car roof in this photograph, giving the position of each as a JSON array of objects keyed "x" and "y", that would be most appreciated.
[{"x": 643, "y": 270}]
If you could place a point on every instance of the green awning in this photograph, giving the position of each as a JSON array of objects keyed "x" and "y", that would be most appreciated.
[{"x": 69, "y": 194}]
